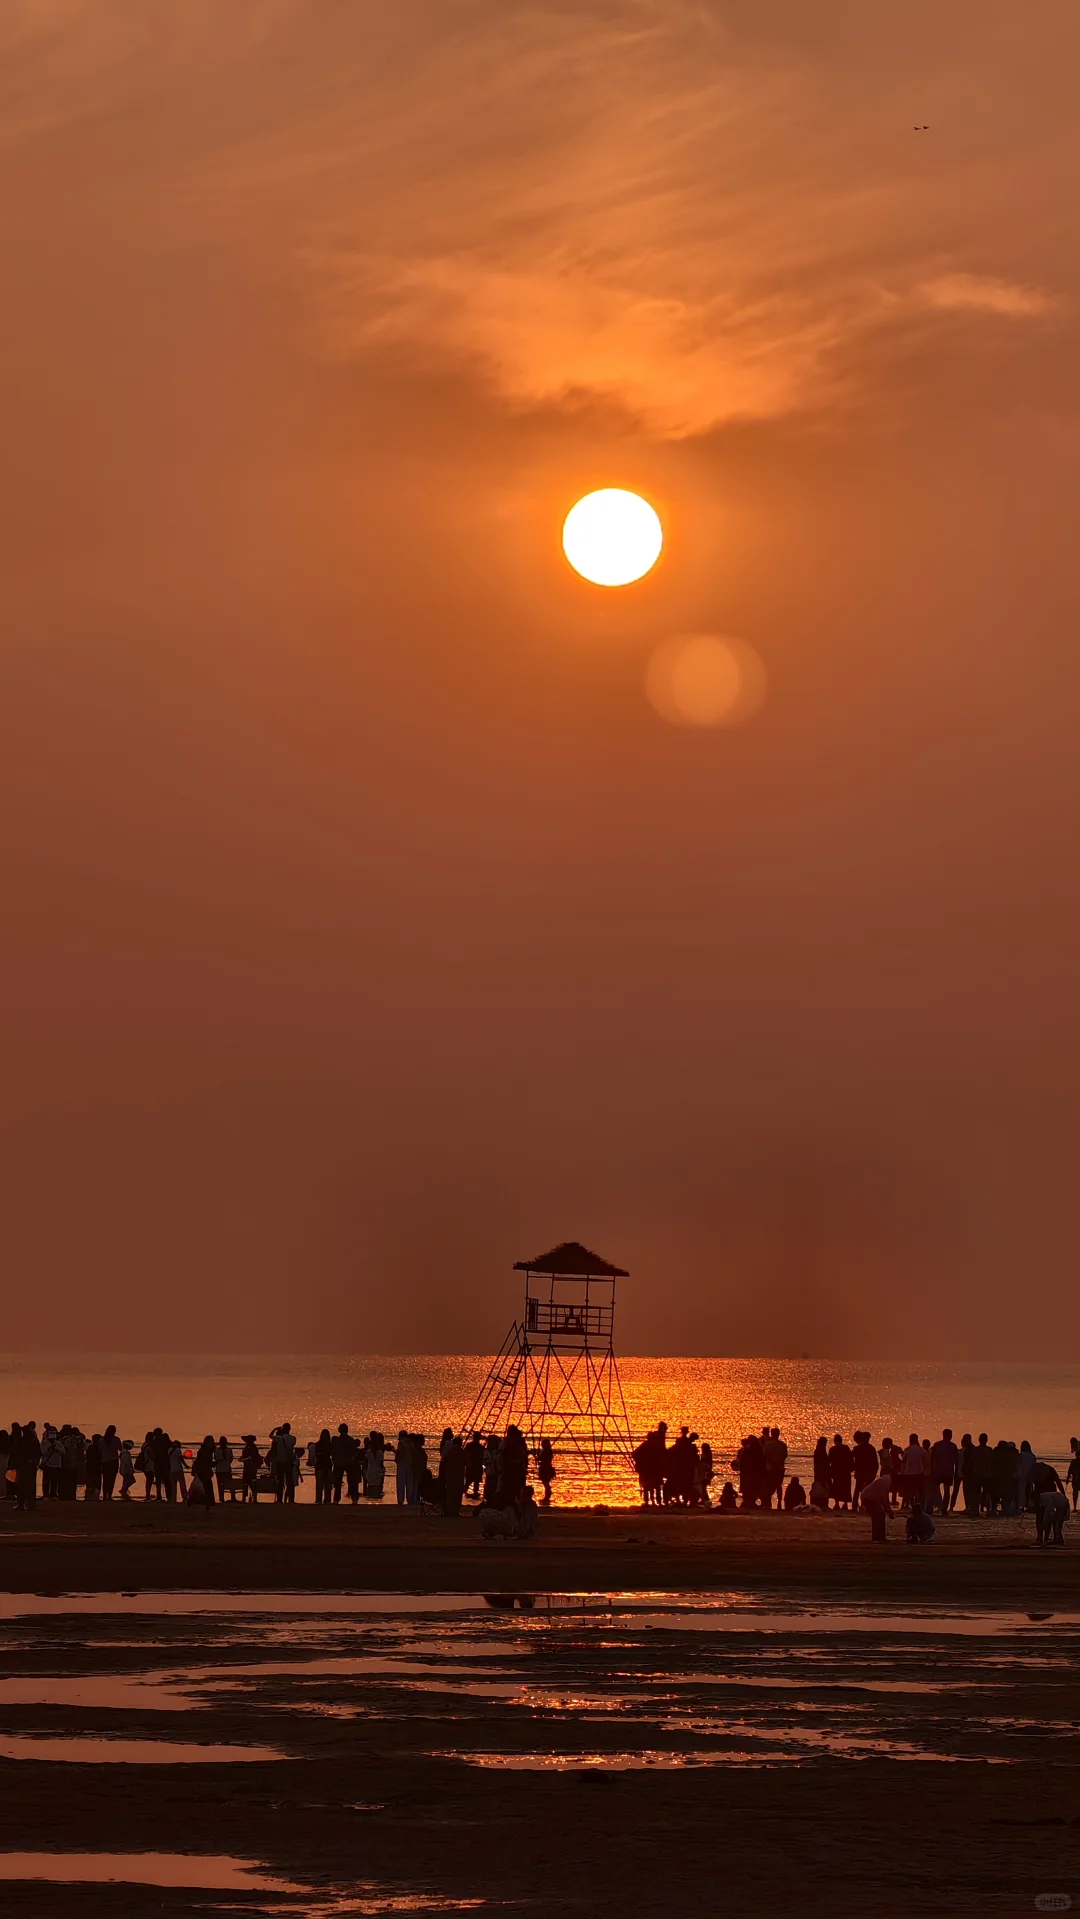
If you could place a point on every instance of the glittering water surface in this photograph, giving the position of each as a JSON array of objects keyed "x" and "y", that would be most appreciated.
[{"x": 721, "y": 1399}]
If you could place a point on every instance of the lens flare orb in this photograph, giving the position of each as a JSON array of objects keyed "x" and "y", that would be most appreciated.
[
  {"x": 612, "y": 537},
  {"x": 705, "y": 679}
]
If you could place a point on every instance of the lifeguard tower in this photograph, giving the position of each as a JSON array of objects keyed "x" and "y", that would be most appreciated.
[{"x": 556, "y": 1375}]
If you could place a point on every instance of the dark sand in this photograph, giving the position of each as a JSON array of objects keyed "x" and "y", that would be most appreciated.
[
  {"x": 100, "y": 1548},
  {"x": 830, "y": 1834}
]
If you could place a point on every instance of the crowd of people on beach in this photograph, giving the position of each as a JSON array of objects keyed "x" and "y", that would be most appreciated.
[
  {"x": 921, "y": 1480},
  {"x": 676, "y": 1475},
  {"x": 492, "y": 1473}
]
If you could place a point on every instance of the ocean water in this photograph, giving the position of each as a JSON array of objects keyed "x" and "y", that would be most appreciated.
[{"x": 720, "y": 1399}]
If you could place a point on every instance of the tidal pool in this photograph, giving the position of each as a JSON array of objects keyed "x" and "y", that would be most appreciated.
[
  {"x": 85, "y": 1749},
  {"x": 215, "y": 1871}
]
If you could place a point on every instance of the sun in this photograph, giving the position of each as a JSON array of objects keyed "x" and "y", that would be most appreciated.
[{"x": 612, "y": 537}]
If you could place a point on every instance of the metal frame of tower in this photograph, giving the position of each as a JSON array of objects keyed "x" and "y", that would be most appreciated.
[{"x": 556, "y": 1375}]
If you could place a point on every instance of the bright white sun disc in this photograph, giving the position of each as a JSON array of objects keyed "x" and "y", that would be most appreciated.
[{"x": 612, "y": 537}]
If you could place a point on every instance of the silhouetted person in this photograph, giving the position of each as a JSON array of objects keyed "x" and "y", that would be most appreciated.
[
  {"x": 1044, "y": 1480},
  {"x": 343, "y": 1446},
  {"x": 71, "y": 1445},
  {"x": 474, "y": 1466},
  {"x": 491, "y": 1470},
  {"x": 967, "y": 1473},
  {"x": 841, "y": 1467},
  {"x": 402, "y": 1455},
  {"x": 145, "y": 1464},
  {"x": 891, "y": 1461},
  {"x": 865, "y": 1463},
  {"x": 1073, "y": 1474},
  {"x": 1051, "y": 1512},
  {"x": 162, "y": 1455},
  {"x": 127, "y": 1468},
  {"x": 202, "y": 1472},
  {"x": 282, "y": 1448},
  {"x": 250, "y": 1464},
  {"x": 27, "y": 1460},
  {"x": 177, "y": 1472},
  {"x": 1023, "y": 1475},
  {"x": 913, "y": 1472},
  {"x": 945, "y": 1468},
  {"x": 820, "y": 1494},
  {"x": 876, "y": 1500},
  {"x": 527, "y": 1516},
  {"x": 110, "y": 1461},
  {"x": 776, "y": 1452},
  {"x": 374, "y": 1466},
  {"x": 14, "y": 1448},
  {"x": 728, "y": 1501},
  {"x": 920, "y": 1526},
  {"x": 681, "y": 1463},
  {"x": 419, "y": 1466},
  {"x": 982, "y": 1475},
  {"x": 52, "y": 1460},
  {"x": 1004, "y": 1478},
  {"x": 650, "y": 1459},
  {"x": 749, "y": 1463},
  {"x": 93, "y": 1468},
  {"x": 794, "y": 1494},
  {"x": 820, "y": 1468},
  {"x": 223, "y": 1470},
  {"x": 324, "y": 1468},
  {"x": 545, "y": 1468},
  {"x": 513, "y": 1466}
]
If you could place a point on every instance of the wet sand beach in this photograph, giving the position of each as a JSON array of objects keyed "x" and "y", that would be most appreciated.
[
  {"x": 381, "y": 1548},
  {"x": 721, "y": 1721}
]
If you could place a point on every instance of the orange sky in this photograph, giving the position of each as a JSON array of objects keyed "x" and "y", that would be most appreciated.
[{"x": 366, "y": 928}]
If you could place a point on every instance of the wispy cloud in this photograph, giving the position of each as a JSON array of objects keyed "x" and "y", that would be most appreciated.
[
  {"x": 979, "y": 293},
  {"x": 683, "y": 210}
]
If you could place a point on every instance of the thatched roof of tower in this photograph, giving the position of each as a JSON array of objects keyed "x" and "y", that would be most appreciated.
[{"x": 571, "y": 1260}]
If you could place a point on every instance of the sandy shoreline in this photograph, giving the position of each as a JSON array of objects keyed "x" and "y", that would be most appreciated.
[{"x": 128, "y": 1547}]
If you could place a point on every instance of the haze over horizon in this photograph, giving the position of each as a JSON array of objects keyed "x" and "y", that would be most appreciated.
[{"x": 367, "y": 929}]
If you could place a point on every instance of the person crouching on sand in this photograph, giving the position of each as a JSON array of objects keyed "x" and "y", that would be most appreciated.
[
  {"x": 820, "y": 1494},
  {"x": 516, "y": 1520},
  {"x": 920, "y": 1526},
  {"x": 794, "y": 1495},
  {"x": 1051, "y": 1512}
]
